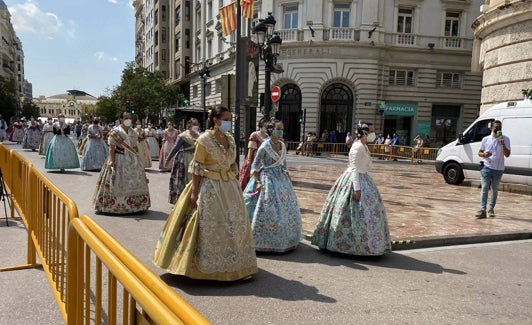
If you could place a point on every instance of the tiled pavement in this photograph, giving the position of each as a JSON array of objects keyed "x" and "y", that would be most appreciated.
[{"x": 422, "y": 209}]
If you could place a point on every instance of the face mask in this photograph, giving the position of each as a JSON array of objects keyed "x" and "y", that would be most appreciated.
[
  {"x": 277, "y": 133},
  {"x": 264, "y": 129},
  {"x": 195, "y": 128},
  {"x": 127, "y": 122},
  {"x": 61, "y": 119},
  {"x": 225, "y": 126},
  {"x": 371, "y": 137}
]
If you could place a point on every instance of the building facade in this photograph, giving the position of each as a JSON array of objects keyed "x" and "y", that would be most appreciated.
[
  {"x": 403, "y": 65},
  {"x": 503, "y": 39},
  {"x": 76, "y": 105},
  {"x": 12, "y": 56}
]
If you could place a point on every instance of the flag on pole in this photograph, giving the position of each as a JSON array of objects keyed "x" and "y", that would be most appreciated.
[
  {"x": 228, "y": 16},
  {"x": 247, "y": 8}
]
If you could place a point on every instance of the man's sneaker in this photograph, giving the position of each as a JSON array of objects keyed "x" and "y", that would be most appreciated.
[
  {"x": 481, "y": 214},
  {"x": 491, "y": 213}
]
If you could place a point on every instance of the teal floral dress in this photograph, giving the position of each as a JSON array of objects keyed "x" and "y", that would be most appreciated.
[
  {"x": 354, "y": 227},
  {"x": 274, "y": 211}
]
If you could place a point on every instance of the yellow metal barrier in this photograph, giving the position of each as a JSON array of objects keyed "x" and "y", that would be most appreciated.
[
  {"x": 64, "y": 243},
  {"x": 91, "y": 248}
]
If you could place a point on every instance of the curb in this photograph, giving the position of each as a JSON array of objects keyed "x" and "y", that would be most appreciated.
[
  {"x": 430, "y": 242},
  {"x": 505, "y": 187}
]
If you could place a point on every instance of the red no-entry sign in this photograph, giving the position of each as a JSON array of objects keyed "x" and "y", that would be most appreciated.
[{"x": 276, "y": 94}]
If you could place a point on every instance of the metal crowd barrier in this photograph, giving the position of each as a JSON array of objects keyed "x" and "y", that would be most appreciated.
[
  {"x": 415, "y": 155},
  {"x": 130, "y": 284},
  {"x": 67, "y": 246}
]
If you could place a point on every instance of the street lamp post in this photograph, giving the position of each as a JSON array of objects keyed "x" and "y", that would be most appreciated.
[
  {"x": 269, "y": 49},
  {"x": 204, "y": 74}
]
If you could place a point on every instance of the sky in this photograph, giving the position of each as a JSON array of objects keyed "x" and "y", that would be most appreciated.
[{"x": 74, "y": 44}]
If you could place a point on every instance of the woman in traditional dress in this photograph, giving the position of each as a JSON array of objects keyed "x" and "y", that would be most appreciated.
[
  {"x": 151, "y": 137},
  {"x": 32, "y": 136},
  {"x": 207, "y": 234},
  {"x": 255, "y": 140},
  {"x": 95, "y": 150},
  {"x": 183, "y": 151},
  {"x": 144, "y": 150},
  {"x": 61, "y": 153},
  {"x": 169, "y": 138},
  {"x": 17, "y": 133},
  {"x": 122, "y": 186},
  {"x": 270, "y": 198},
  {"x": 46, "y": 136},
  {"x": 353, "y": 219}
]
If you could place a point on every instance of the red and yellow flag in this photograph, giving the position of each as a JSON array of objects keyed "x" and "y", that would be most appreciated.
[
  {"x": 228, "y": 16},
  {"x": 247, "y": 8}
]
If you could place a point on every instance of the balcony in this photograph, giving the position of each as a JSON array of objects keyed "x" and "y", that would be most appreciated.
[
  {"x": 342, "y": 34},
  {"x": 290, "y": 35}
]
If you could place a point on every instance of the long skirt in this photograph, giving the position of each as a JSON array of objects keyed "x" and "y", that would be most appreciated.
[
  {"x": 154, "y": 147},
  {"x": 45, "y": 142},
  {"x": 124, "y": 188},
  {"x": 351, "y": 227},
  {"x": 274, "y": 212},
  {"x": 94, "y": 154},
  {"x": 180, "y": 175},
  {"x": 212, "y": 242},
  {"x": 144, "y": 153},
  {"x": 245, "y": 174},
  {"x": 31, "y": 139},
  {"x": 61, "y": 154},
  {"x": 16, "y": 135},
  {"x": 165, "y": 151}
]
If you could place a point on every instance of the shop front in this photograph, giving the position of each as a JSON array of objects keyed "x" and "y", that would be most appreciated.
[{"x": 397, "y": 118}]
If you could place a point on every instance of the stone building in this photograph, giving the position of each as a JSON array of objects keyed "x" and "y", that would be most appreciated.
[
  {"x": 403, "y": 65},
  {"x": 502, "y": 50},
  {"x": 74, "y": 104}
]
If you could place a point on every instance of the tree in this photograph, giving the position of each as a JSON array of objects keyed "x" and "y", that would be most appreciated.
[
  {"x": 8, "y": 98},
  {"x": 29, "y": 109},
  {"x": 108, "y": 109},
  {"x": 527, "y": 93}
]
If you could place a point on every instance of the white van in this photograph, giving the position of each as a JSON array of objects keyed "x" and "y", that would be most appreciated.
[{"x": 459, "y": 159}]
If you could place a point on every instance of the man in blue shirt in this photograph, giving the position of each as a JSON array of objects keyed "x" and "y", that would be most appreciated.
[
  {"x": 396, "y": 141},
  {"x": 493, "y": 149},
  {"x": 3, "y": 129}
]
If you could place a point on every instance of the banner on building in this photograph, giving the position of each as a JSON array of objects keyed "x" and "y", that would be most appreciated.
[
  {"x": 228, "y": 17},
  {"x": 247, "y": 8}
]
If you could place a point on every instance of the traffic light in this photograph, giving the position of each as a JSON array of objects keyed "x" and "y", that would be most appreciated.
[
  {"x": 186, "y": 102},
  {"x": 300, "y": 117},
  {"x": 132, "y": 110}
]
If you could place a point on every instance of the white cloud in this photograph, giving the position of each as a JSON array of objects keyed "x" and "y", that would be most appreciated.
[
  {"x": 29, "y": 18},
  {"x": 102, "y": 56},
  {"x": 112, "y": 1}
]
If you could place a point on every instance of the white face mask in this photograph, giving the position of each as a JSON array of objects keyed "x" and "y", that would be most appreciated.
[
  {"x": 195, "y": 128},
  {"x": 61, "y": 119},
  {"x": 371, "y": 137},
  {"x": 264, "y": 129},
  {"x": 225, "y": 126},
  {"x": 127, "y": 122}
]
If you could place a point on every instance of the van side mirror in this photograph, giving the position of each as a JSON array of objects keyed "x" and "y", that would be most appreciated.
[{"x": 460, "y": 138}]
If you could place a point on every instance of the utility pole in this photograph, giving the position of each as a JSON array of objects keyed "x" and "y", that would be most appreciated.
[{"x": 239, "y": 78}]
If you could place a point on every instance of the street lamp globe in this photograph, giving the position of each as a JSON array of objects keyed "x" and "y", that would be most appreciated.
[
  {"x": 260, "y": 30},
  {"x": 275, "y": 43},
  {"x": 270, "y": 24}
]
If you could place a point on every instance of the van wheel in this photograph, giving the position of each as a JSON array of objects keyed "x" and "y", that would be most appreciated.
[{"x": 453, "y": 174}]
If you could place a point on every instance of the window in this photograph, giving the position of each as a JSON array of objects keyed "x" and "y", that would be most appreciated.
[
  {"x": 163, "y": 57},
  {"x": 404, "y": 21},
  {"x": 405, "y": 26},
  {"x": 187, "y": 38},
  {"x": 194, "y": 91},
  {"x": 177, "y": 69},
  {"x": 209, "y": 10},
  {"x": 177, "y": 15},
  {"x": 477, "y": 132},
  {"x": 163, "y": 35},
  {"x": 187, "y": 10},
  {"x": 449, "y": 80},
  {"x": 207, "y": 89},
  {"x": 401, "y": 78},
  {"x": 163, "y": 13},
  {"x": 452, "y": 30},
  {"x": 341, "y": 15},
  {"x": 177, "y": 42},
  {"x": 290, "y": 17},
  {"x": 218, "y": 86},
  {"x": 156, "y": 21}
]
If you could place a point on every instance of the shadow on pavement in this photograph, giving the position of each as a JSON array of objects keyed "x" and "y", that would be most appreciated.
[{"x": 405, "y": 262}]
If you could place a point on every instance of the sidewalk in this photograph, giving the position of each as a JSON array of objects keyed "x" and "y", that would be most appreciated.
[{"x": 423, "y": 211}]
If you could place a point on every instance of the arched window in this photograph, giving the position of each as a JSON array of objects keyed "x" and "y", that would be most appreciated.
[
  {"x": 288, "y": 112},
  {"x": 336, "y": 110}
]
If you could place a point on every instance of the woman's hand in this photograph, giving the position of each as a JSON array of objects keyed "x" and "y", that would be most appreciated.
[
  {"x": 258, "y": 188},
  {"x": 111, "y": 163},
  {"x": 194, "y": 199},
  {"x": 355, "y": 196}
]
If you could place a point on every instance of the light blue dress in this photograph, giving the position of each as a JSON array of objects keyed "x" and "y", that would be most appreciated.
[
  {"x": 61, "y": 153},
  {"x": 95, "y": 151},
  {"x": 274, "y": 212}
]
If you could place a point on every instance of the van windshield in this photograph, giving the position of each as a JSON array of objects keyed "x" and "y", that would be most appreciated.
[{"x": 478, "y": 131}]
